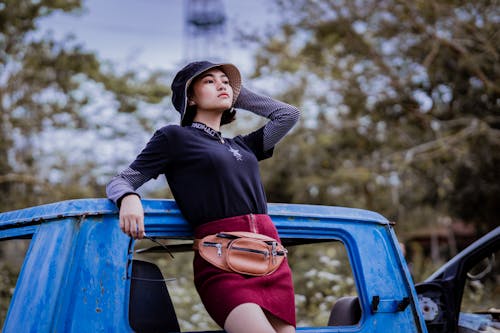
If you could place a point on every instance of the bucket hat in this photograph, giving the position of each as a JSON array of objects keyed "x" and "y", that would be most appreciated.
[{"x": 185, "y": 76}]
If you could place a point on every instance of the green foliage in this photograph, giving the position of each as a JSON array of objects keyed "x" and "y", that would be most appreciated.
[
  {"x": 399, "y": 104},
  {"x": 8, "y": 278},
  {"x": 12, "y": 254},
  {"x": 48, "y": 86},
  {"x": 322, "y": 274}
]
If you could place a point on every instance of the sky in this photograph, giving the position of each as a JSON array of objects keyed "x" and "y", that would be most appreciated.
[
  {"x": 151, "y": 33},
  {"x": 133, "y": 34}
]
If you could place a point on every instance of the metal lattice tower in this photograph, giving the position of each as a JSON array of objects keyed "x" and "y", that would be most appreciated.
[{"x": 205, "y": 30}]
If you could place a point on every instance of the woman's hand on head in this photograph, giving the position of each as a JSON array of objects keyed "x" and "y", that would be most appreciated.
[{"x": 132, "y": 216}]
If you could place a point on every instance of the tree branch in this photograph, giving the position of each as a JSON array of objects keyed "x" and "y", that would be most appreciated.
[
  {"x": 475, "y": 69},
  {"x": 444, "y": 143}
]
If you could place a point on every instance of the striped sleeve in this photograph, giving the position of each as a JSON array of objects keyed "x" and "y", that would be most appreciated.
[
  {"x": 126, "y": 182},
  {"x": 282, "y": 116}
]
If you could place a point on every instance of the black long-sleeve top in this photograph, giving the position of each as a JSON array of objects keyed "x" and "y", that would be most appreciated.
[{"x": 210, "y": 177}]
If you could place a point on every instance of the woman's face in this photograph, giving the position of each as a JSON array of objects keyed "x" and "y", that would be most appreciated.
[{"x": 212, "y": 92}]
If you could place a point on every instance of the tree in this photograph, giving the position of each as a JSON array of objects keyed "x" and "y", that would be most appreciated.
[
  {"x": 400, "y": 106},
  {"x": 47, "y": 87}
]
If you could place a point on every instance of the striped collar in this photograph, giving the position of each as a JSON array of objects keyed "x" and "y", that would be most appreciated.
[{"x": 208, "y": 130}]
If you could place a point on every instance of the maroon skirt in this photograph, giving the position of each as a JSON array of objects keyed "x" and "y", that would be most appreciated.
[{"x": 222, "y": 291}]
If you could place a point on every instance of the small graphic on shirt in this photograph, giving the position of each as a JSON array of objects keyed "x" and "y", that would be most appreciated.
[{"x": 236, "y": 154}]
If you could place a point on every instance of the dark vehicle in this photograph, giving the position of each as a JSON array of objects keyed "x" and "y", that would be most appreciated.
[{"x": 441, "y": 294}]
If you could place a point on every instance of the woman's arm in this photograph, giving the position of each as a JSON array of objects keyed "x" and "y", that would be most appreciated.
[
  {"x": 283, "y": 116},
  {"x": 126, "y": 182},
  {"x": 122, "y": 188},
  {"x": 122, "y": 191}
]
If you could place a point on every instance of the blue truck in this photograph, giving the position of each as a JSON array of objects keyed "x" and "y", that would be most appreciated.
[{"x": 81, "y": 273}]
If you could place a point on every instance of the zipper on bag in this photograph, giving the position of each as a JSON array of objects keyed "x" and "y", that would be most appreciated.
[
  {"x": 264, "y": 253},
  {"x": 216, "y": 245}
]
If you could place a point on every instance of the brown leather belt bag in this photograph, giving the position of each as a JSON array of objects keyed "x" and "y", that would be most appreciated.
[{"x": 242, "y": 252}]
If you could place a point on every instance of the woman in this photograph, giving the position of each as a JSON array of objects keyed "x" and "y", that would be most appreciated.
[{"x": 216, "y": 184}]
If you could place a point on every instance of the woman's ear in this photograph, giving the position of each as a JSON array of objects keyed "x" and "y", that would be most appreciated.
[{"x": 191, "y": 102}]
